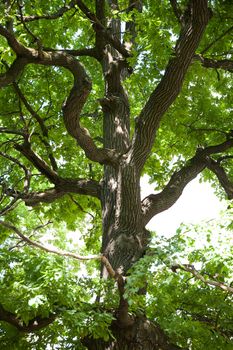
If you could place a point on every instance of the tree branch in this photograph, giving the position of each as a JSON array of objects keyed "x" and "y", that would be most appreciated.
[
  {"x": 156, "y": 203},
  {"x": 76, "y": 99},
  {"x": 33, "y": 325},
  {"x": 65, "y": 186},
  {"x": 217, "y": 39},
  {"x": 221, "y": 174},
  {"x": 190, "y": 268},
  {"x": 131, "y": 25},
  {"x": 59, "y": 13},
  {"x": 41, "y": 123},
  {"x": 13, "y": 72},
  {"x": 22, "y": 166},
  {"x": 170, "y": 85},
  {"x": 37, "y": 161},
  {"x": 225, "y": 64},
  {"x": 177, "y": 11},
  {"x": 99, "y": 27},
  {"x": 63, "y": 253}
]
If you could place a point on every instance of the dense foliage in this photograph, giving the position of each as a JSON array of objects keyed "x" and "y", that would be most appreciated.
[{"x": 52, "y": 177}]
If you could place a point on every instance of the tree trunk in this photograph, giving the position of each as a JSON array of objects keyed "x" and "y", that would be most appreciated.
[{"x": 140, "y": 335}]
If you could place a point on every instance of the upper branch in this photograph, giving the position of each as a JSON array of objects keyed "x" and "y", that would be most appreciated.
[
  {"x": 76, "y": 99},
  {"x": 131, "y": 25},
  {"x": 170, "y": 85},
  {"x": 59, "y": 13},
  {"x": 156, "y": 203},
  {"x": 100, "y": 28},
  {"x": 177, "y": 11}
]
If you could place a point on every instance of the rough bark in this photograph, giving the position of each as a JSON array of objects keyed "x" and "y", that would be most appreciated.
[{"x": 140, "y": 335}]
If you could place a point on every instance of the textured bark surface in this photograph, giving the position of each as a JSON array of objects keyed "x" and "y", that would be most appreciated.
[{"x": 140, "y": 335}]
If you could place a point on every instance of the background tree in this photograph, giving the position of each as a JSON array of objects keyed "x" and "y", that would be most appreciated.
[{"x": 91, "y": 100}]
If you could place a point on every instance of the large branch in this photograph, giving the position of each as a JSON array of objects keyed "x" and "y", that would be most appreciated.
[
  {"x": 76, "y": 99},
  {"x": 156, "y": 203},
  {"x": 170, "y": 85},
  {"x": 66, "y": 186}
]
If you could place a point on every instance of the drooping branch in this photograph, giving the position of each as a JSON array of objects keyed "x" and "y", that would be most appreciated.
[
  {"x": 60, "y": 252},
  {"x": 191, "y": 269},
  {"x": 32, "y": 326},
  {"x": 76, "y": 99},
  {"x": 170, "y": 85},
  {"x": 156, "y": 203}
]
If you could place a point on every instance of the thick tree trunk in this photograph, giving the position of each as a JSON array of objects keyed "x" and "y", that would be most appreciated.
[{"x": 140, "y": 335}]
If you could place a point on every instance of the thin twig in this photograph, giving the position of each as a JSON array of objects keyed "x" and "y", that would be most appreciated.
[{"x": 197, "y": 275}]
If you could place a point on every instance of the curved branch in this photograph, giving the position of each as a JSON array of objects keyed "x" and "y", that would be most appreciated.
[
  {"x": 156, "y": 203},
  {"x": 76, "y": 99},
  {"x": 170, "y": 85}
]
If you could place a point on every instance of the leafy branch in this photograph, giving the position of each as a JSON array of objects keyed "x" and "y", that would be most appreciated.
[
  {"x": 59, "y": 252},
  {"x": 191, "y": 269}
]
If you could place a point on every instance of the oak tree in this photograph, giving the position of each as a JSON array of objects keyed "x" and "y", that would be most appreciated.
[{"x": 94, "y": 95}]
